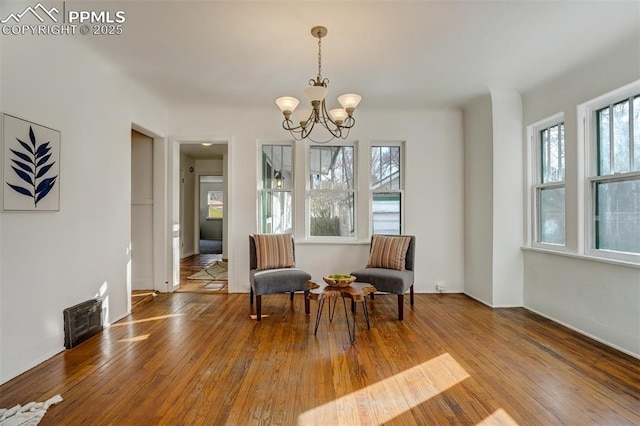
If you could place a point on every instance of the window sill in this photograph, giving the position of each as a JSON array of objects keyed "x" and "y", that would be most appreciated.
[
  {"x": 583, "y": 257},
  {"x": 332, "y": 242}
]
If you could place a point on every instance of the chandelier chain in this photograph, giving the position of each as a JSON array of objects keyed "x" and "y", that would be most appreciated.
[{"x": 319, "y": 56}]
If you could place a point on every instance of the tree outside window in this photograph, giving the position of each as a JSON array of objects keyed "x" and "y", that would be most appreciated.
[{"x": 332, "y": 191}]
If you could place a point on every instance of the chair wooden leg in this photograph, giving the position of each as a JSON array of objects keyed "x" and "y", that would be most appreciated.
[
  {"x": 291, "y": 296},
  {"x": 411, "y": 294},
  {"x": 401, "y": 307},
  {"x": 307, "y": 307},
  {"x": 259, "y": 307},
  {"x": 251, "y": 296}
]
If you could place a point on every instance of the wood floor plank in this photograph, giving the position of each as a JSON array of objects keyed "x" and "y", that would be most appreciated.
[{"x": 198, "y": 359}]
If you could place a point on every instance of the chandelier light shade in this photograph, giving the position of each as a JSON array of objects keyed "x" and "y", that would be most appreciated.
[{"x": 301, "y": 122}]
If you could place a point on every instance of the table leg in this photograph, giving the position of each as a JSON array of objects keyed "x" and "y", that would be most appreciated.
[
  {"x": 352, "y": 333},
  {"x": 332, "y": 312},
  {"x": 366, "y": 312},
  {"x": 319, "y": 314}
]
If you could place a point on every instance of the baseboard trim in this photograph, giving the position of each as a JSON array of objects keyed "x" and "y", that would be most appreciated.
[
  {"x": 584, "y": 333},
  {"x": 477, "y": 299}
]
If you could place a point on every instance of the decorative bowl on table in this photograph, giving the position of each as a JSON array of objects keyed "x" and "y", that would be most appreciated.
[{"x": 339, "y": 280}]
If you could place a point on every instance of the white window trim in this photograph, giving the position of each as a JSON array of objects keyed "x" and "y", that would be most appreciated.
[
  {"x": 260, "y": 189},
  {"x": 532, "y": 181},
  {"x": 587, "y": 169},
  {"x": 400, "y": 144},
  {"x": 307, "y": 204}
]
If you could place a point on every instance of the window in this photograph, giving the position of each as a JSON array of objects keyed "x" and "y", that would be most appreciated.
[
  {"x": 615, "y": 176},
  {"x": 215, "y": 202},
  {"x": 276, "y": 198},
  {"x": 331, "y": 202},
  {"x": 550, "y": 197},
  {"x": 386, "y": 186},
  {"x": 548, "y": 204}
]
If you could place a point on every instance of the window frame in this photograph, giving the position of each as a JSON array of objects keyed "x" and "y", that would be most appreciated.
[
  {"x": 589, "y": 156},
  {"x": 536, "y": 186},
  {"x": 261, "y": 190},
  {"x": 400, "y": 190},
  {"x": 309, "y": 192}
]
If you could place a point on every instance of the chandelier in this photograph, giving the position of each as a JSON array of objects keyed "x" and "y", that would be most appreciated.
[{"x": 337, "y": 121}]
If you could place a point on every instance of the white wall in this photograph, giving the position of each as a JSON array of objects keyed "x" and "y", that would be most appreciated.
[
  {"x": 434, "y": 187},
  {"x": 493, "y": 198},
  {"x": 507, "y": 198},
  {"x": 51, "y": 261},
  {"x": 478, "y": 199},
  {"x": 596, "y": 298}
]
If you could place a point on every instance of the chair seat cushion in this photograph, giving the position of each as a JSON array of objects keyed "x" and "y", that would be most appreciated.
[
  {"x": 281, "y": 280},
  {"x": 387, "y": 280}
]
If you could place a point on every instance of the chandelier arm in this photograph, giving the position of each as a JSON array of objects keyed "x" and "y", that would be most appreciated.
[
  {"x": 307, "y": 130},
  {"x": 333, "y": 136},
  {"x": 337, "y": 131},
  {"x": 327, "y": 116},
  {"x": 349, "y": 123},
  {"x": 286, "y": 124},
  {"x": 296, "y": 132}
]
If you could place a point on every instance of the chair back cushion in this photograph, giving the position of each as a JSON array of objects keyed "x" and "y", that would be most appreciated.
[
  {"x": 274, "y": 251},
  {"x": 389, "y": 252}
]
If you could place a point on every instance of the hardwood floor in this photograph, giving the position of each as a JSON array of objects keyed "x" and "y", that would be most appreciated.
[
  {"x": 189, "y": 358},
  {"x": 192, "y": 264}
]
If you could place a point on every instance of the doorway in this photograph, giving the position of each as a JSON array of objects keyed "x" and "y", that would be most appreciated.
[
  {"x": 204, "y": 216},
  {"x": 142, "y": 266},
  {"x": 211, "y": 217},
  {"x": 148, "y": 266}
]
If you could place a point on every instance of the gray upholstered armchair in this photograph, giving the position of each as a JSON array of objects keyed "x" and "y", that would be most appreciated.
[
  {"x": 390, "y": 266},
  {"x": 272, "y": 269}
]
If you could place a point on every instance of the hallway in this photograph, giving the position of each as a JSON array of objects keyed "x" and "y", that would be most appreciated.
[{"x": 193, "y": 264}]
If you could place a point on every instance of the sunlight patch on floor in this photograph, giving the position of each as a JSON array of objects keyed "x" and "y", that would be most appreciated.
[
  {"x": 498, "y": 417},
  {"x": 136, "y": 339},
  {"x": 390, "y": 397},
  {"x": 151, "y": 293},
  {"x": 161, "y": 317}
]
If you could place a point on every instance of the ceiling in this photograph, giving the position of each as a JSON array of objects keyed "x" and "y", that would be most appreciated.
[
  {"x": 396, "y": 54},
  {"x": 200, "y": 152}
]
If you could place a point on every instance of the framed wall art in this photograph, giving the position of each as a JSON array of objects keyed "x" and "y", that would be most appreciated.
[{"x": 30, "y": 166}]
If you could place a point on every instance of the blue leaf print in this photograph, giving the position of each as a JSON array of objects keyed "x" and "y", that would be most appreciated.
[
  {"x": 24, "y": 176},
  {"x": 33, "y": 168},
  {"x": 22, "y": 156},
  {"x": 23, "y": 191},
  {"x": 44, "y": 188},
  {"x": 23, "y": 166},
  {"x": 44, "y": 170},
  {"x": 25, "y": 146},
  {"x": 43, "y": 160},
  {"x": 43, "y": 149}
]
